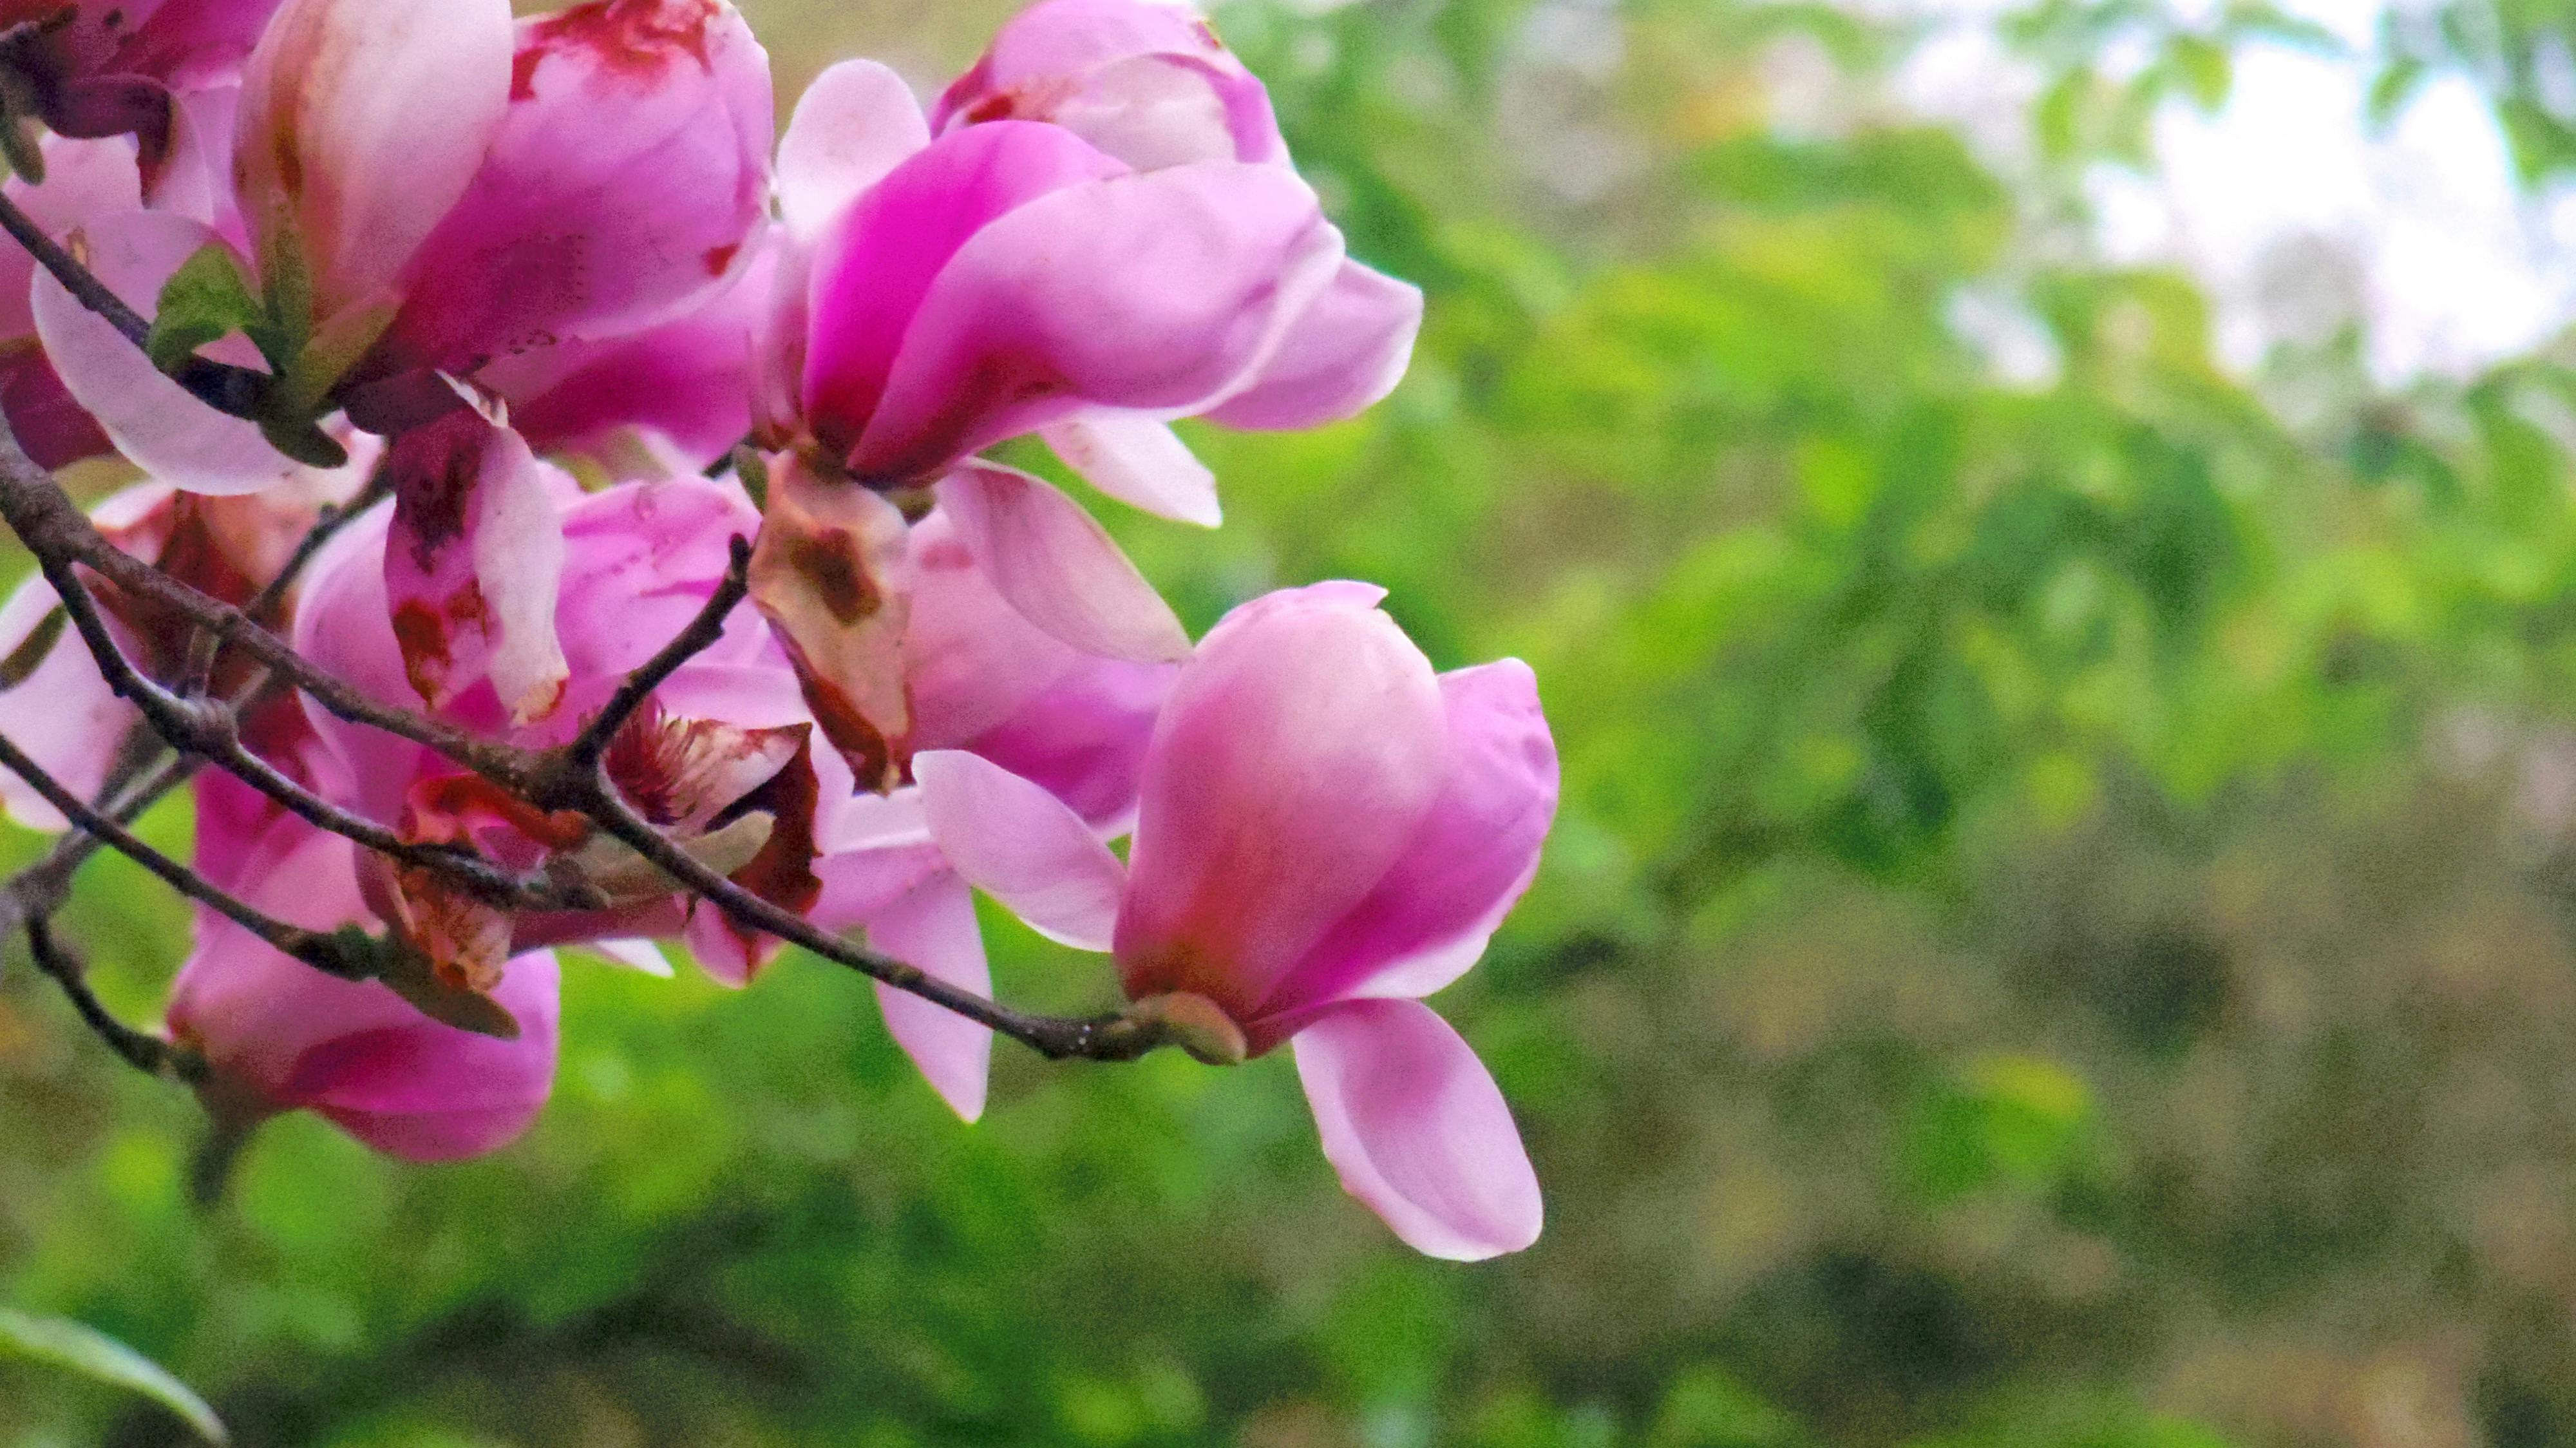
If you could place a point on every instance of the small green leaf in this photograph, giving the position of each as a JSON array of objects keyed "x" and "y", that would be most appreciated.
[
  {"x": 207, "y": 298},
  {"x": 93, "y": 1354},
  {"x": 335, "y": 348}
]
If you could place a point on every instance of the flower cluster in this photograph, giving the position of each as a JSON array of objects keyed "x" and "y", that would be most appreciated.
[{"x": 548, "y": 284}]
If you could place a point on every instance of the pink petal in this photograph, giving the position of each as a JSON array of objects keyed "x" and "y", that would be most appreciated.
[
  {"x": 624, "y": 185},
  {"x": 85, "y": 181},
  {"x": 1466, "y": 865},
  {"x": 1417, "y": 1131},
  {"x": 1137, "y": 459},
  {"x": 152, "y": 419},
  {"x": 194, "y": 177},
  {"x": 336, "y": 91},
  {"x": 1022, "y": 846},
  {"x": 1346, "y": 352},
  {"x": 192, "y": 45},
  {"x": 1059, "y": 567},
  {"x": 1161, "y": 291},
  {"x": 1298, "y": 752},
  {"x": 873, "y": 268},
  {"x": 357, "y": 1053},
  {"x": 55, "y": 430},
  {"x": 687, "y": 381},
  {"x": 933, "y": 927},
  {"x": 64, "y": 715},
  {"x": 1148, "y": 83},
  {"x": 856, "y": 122},
  {"x": 640, "y": 560},
  {"x": 473, "y": 565},
  {"x": 344, "y": 624},
  {"x": 983, "y": 678}
]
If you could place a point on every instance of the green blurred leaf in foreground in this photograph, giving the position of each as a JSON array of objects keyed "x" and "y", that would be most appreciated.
[{"x": 93, "y": 1354}]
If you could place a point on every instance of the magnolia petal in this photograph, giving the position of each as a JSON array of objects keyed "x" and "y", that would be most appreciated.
[
  {"x": 624, "y": 185},
  {"x": 1059, "y": 567},
  {"x": 637, "y": 955},
  {"x": 681, "y": 772},
  {"x": 1138, "y": 459},
  {"x": 933, "y": 928},
  {"x": 1160, "y": 291},
  {"x": 830, "y": 573},
  {"x": 1300, "y": 749},
  {"x": 1468, "y": 862},
  {"x": 1149, "y": 83},
  {"x": 1417, "y": 1131},
  {"x": 1345, "y": 352},
  {"x": 85, "y": 181},
  {"x": 362, "y": 123},
  {"x": 474, "y": 563},
  {"x": 1022, "y": 846},
  {"x": 855, "y": 123},
  {"x": 63, "y": 714},
  {"x": 151, "y": 419}
]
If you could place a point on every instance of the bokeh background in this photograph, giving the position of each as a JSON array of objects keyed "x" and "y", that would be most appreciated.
[{"x": 2046, "y": 532}]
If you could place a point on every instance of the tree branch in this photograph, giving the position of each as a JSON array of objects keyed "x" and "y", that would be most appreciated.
[{"x": 142, "y": 1050}]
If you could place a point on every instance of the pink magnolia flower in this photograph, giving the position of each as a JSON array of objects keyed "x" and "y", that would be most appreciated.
[
  {"x": 1150, "y": 84},
  {"x": 1327, "y": 833},
  {"x": 1012, "y": 276},
  {"x": 281, "y": 1036},
  {"x": 437, "y": 189}
]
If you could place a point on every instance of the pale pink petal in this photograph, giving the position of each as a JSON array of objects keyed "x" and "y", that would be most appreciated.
[
  {"x": 152, "y": 419},
  {"x": 933, "y": 928},
  {"x": 1468, "y": 862},
  {"x": 875, "y": 265},
  {"x": 855, "y": 123},
  {"x": 194, "y": 176},
  {"x": 1346, "y": 352},
  {"x": 473, "y": 565},
  {"x": 1148, "y": 83},
  {"x": 1161, "y": 291},
  {"x": 1058, "y": 566},
  {"x": 1137, "y": 459},
  {"x": 1417, "y": 1131},
  {"x": 85, "y": 181},
  {"x": 1022, "y": 846},
  {"x": 860, "y": 883},
  {"x": 624, "y": 184},
  {"x": 1299, "y": 751},
  {"x": 362, "y": 123},
  {"x": 63, "y": 715},
  {"x": 637, "y": 955}
]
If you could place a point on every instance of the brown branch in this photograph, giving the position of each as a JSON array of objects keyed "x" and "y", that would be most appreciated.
[
  {"x": 204, "y": 648},
  {"x": 591, "y": 746},
  {"x": 142, "y": 1050}
]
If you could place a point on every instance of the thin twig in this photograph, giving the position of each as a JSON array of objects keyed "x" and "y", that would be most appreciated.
[
  {"x": 323, "y": 952},
  {"x": 204, "y": 648},
  {"x": 199, "y": 727},
  {"x": 591, "y": 745},
  {"x": 142, "y": 1050}
]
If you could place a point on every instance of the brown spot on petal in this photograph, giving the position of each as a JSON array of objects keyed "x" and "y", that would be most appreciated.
[
  {"x": 783, "y": 872},
  {"x": 720, "y": 259}
]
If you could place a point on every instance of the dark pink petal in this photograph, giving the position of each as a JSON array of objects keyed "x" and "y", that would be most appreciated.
[
  {"x": 1467, "y": 864},
  {"x": 875, "y": 266},
  {"x": 933, "y": 928},
  {"x": 152, "y": 419},
  {"x": 1299, "y": 751},
  {"x": 687, "y": 382},
  {"x": 624, "y": 183},
  {"x": 1163, "y": 291},
  {"x": 1148, "y": 83},
  {"x": 1137, "y": 459},
  {"x": 1022, "y": 846},
  {"x": 855, "y": 123},
  {"x": 55, "y": 429},
  {"x": 190, "y": 45},
  {"x": 334, "y": 93},
  {"x": 1345, "y": 353},
  {"x": 473, "y": 565},
  {"x": 1417, "y": 1131},
  {"x": 1058, "y": 567}
]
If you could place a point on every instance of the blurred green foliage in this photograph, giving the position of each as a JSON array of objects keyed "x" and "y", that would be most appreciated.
[{"x": 2057, "y": 936}]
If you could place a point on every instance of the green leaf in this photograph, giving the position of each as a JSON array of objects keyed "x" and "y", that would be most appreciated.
[
  {"x": 93, "y": 1354},
  {"x": 2204, "y": 68},
  {"x": 207, "y": 298}
]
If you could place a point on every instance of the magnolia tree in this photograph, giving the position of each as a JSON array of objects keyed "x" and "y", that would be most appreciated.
[{"x": 564, "y": 523}]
